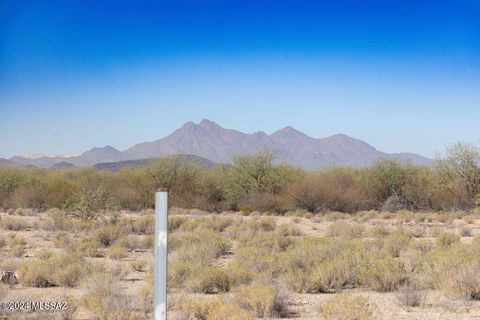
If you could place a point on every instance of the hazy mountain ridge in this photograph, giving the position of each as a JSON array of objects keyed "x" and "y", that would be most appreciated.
[
  {"x": 188, "y": 158},
  {"x": 210, "y": 141}
]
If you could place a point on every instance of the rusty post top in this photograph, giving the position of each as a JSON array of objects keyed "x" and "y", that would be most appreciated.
[{"x": 162, "y": 190}]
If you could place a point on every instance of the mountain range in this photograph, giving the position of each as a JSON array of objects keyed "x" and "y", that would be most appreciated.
[{"x": 217, "y": 144}]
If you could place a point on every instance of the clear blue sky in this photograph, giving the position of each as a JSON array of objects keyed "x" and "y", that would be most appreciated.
[{"x": 401, "y": 75}]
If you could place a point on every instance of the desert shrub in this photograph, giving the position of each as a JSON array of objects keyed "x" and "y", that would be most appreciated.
[
  {"x": 3, "y": 290},
  {"x": 44, "y": 254},
  {"x": 284, "y": 230},
  {"x": 16, "y": 246},
  {"x": 245, "y": 210},
  {"x": 86, "y": 204},
  {"x": 440, "y": 262},
  {"x": 144, "y": 225},
  {"x": 261, "y": 261},
  {"x": 322, "y": 265},
  {"x": 146, "y": 297},
  {"x": 395, "y": 242},
  {"x": 34, "y": 195},
  {"x": 346, "y": 306},
  {"x": 17, "y": 250},
  {"x": 195, "y": 249},
  {"x": 382, "y": 274},
  {"x": 255, "y": 174},
  {"x": 148, "y": 242},
  {"x": 71, "y": 311},
  {"x": 181, "y": 178},
  {"x": 459, "y": 174},
  {"x": 174, "y": 222},
  {"x": 239, "y": 274},
  {"x": 465, "y": 231},
  {"x": 454, "y": 270},
  {"x": 333, "y": 275},
  {"x": 261, "y": 202},
  {"x": 335, "y": 189},
  {"x": 469, "y": 219},
  {"x": 213, "y": 309},
  {"x": 139, "y": 265},
  {"x": 377, "y": 231},
  {"x": 417, "y": 232},
  {"x": 208, "y": 280},
  {"x": 117, "y": 252},
  {"x": 191, "y": 264},
  {"x": 62, "y": 240},
  {"x": 445, "y": 239},
  {"x": 108, "y": 234},
  {"x": 129, "y": 241},
  {"x": 105, "y": 300},
  {"x": 62, "y": 270},
  {"x": 410, "y": 295},
  {"x": 14, "y": 224},
  {"x": 89, "y": 247},
  {"x": 214, "y": 223},
  {"x": 261, "y": 300},
  {"x": 347, "y": 230}
]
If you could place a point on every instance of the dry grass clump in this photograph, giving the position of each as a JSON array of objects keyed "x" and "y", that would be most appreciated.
[
  {"x": 139, "y": 265},
  {"x": 417, "y": 232},
  {"x": 377, "y": 231},
  {"x": 434, "y": 231},
  {"x": 63, "y": 240},
  {"x": 454, "y": 270},
  {"x": 192, "y": 259},
  {"x": 144, "y": 225},
  {"x": 215, "y": 223},
  {"x": 285, "y": 230},
  {"x": 16, "y": 246},
  {"x": 108, "y": 234},
  {"x": 346, "y": 230},
  {"x": 89, "y": 247},
  {"x": 382, "y": 274},
  {"x": 470, "y": 219},
  {"x": 61, "y": 270},
  {"x": 14, "y": 224},
  {"x": 174, "y": 222},
  {"x": 446, "y": 239},
  {"x": 409, "y": 295},
  {"x": 213, "y": 309},
  {"x": 261, "y": 300},
  {"x": 345, "y": 306},
  {"x": 322, "y": 265},
  {"x": 395, "y": 242},
  {"x": 208, "y": 280},
  {"x": 464, "y": 231},
  {"x": 105, "y": 300},
  {"x": 117, "y": 252}
]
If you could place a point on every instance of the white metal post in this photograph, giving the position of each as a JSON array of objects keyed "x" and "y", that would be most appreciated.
[{"x": 161, "y": 250}]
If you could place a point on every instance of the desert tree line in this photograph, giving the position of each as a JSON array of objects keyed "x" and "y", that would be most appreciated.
[{"x": 252, "y": 182}]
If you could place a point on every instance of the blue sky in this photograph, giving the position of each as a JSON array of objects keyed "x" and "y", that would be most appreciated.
[{"x": 401, "y": 75}]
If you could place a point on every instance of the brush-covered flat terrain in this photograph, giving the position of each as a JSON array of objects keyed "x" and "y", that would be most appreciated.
[{"x": 247, "y": 265}]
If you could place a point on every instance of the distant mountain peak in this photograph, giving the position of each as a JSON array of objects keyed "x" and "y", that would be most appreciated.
[
  {"x": 206, "y": 122},
  {"x": 104, "y": 149},
  {"x": 209, "y": 140},
  {"x": 289, "y": 131}
]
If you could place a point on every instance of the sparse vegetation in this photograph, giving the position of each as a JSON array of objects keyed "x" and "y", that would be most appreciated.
[
  {"x": 256, "y": 263},
  {"x": 348, "y": 307}
]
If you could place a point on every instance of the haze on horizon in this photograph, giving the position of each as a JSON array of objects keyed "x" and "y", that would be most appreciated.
[{"x": 402, "y": 75}]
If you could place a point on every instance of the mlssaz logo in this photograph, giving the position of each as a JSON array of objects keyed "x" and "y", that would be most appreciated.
[{"x": 49, "y": 305}]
